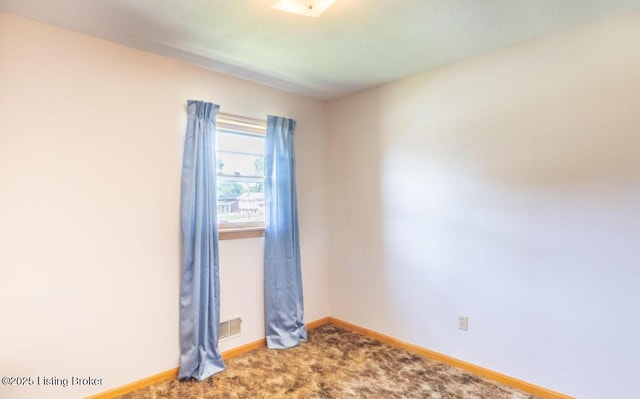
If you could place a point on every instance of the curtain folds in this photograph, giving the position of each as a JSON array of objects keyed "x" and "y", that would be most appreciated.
[
  {"x": 200, "y": 288},
  {"x": 282, "y": 271}
]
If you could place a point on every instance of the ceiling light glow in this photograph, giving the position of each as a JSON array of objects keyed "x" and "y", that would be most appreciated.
[{"x": 309, "y": 8}]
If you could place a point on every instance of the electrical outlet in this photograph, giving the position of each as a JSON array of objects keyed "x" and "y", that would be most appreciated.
[{"x": 463, "y": 323}]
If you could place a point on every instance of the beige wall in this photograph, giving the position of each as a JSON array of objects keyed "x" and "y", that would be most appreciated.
[
  {"x": 90, "y": 156},
  {"x": 505, "y": 188}
]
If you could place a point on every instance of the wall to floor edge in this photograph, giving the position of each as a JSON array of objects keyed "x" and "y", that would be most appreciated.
[{"x": 492, "y": 375}]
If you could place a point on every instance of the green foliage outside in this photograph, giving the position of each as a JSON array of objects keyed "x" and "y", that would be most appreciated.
[
  {"x": 234, "y": 189},
  {"x": 230, "y": 189}
]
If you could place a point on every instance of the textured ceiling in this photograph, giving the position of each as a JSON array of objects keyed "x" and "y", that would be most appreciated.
[{"x": 354, "y": 45}]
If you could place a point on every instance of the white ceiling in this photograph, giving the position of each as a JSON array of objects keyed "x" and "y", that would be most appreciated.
[{"x": 354, "y": 45}]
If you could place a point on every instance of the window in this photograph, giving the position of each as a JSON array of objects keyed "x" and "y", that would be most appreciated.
[{"x": 240, "y": 170}]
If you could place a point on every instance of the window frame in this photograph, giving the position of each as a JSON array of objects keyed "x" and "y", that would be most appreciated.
[{"x": 241, "y": 124}]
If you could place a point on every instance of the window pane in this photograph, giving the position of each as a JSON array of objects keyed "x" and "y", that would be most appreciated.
[
  {"x": 240, "y": 154},
  {"x": 240, "y": 201},
  {"x": 240, "y": 187}
]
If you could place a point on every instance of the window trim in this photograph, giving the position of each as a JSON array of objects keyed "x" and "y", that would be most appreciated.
[
  {"x": 224, "y": 121},
  {"x": 241, "y": 123},
  {"x": 238, "y": 233}
]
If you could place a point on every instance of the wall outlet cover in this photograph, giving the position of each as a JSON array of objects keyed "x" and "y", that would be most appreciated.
[{"x": 463, "y": 323}]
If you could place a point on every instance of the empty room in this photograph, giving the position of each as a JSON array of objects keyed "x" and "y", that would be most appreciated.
[{"x": 319, "y": 199}]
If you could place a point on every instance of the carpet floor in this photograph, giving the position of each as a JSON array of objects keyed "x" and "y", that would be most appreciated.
[{"x": 333, "y": 363}]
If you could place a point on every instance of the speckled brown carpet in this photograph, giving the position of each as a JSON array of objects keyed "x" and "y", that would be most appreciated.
[{"x": 333, "y": 363}]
